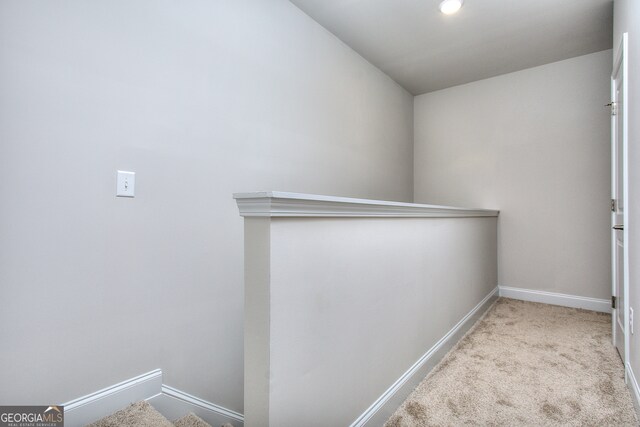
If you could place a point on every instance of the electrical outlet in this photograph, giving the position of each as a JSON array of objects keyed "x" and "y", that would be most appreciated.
[{"x": 631, "y": 320}]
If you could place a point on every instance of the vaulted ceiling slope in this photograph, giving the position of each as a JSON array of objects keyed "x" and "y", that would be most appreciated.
[{"x": 424, "y": 50}]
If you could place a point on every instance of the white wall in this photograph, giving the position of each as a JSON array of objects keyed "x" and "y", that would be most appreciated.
[
  {"x": 201, "y": 99},
  {"x": 535, "y": 145},
  {"x": 353, "y": 303},
  {"x": 627, "y": 19}
]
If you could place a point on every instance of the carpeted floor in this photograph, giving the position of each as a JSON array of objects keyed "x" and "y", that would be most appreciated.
[
  {"x": 142, "y": 414},
  {"x": 526, "y": 364}
]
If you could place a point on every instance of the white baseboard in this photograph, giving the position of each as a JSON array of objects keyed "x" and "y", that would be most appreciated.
[
  {"x": 574, "y": 301},
  {"x": 635, "y": 390},
  {"x": 392, "y": 398},
  {"x": 173, "y": 404},
  {"x": 92, "y": 407},
  {"x": 170, "y": 402}
]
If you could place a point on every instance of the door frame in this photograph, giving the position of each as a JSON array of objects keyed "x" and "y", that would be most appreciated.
[{"x": 621, "y": 64}]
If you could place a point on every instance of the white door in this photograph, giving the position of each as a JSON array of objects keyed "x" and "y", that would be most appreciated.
[{"x": 619, "y": 189}]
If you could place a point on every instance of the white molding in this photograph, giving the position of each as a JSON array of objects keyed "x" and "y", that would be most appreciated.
[
  {"x": 174, "y": 403},
  {"x": 283, "y": 204},
  {"x": 170, "y": 402},
  {"x": 391, "y": 399},
  {"x": 554, "y": 298},
  {"x": 635, "y": 389},
  {"x": 94, "y": 406}
]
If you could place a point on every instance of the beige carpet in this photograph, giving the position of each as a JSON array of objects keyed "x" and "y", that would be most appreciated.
[
  {"x": 142, "y": 414},
  {"x": 191, "y": 420},
  {"x": 526, "y": 364}
]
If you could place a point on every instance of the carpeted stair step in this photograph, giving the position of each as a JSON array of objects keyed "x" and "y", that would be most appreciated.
[
  {"x": 191, "y": 420},
  {"x": 142, "y": 414},
  {"x": 139, "y": 414}
]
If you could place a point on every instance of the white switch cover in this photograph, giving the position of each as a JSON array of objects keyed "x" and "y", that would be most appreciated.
[{"x": 126, "y": 184}]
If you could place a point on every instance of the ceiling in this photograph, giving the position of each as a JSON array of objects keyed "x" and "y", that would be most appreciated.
[{"x": 424, "y": 50}]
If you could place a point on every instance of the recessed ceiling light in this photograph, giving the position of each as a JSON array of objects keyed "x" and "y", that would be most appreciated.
[{"x": 449, "y": 7}]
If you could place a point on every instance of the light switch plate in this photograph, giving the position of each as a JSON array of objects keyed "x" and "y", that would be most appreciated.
[{"x": 126, "y": 184}]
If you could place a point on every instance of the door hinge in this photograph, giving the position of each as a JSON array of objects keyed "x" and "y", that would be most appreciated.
[
  {"x": 614, "y": 302},
  {"x": 614, "y": 108},
  {"x": 613, "y": 205}
]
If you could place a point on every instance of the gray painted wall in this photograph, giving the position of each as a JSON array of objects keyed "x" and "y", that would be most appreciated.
[
  {"x": 535, "y": 145},
  {"x": 201, "y": 99},
  {"x": 627, "y": 19},
  {"x": 355, "y": 302}
]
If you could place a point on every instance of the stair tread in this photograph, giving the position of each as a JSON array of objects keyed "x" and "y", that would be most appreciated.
[
  {"x": 191, "y": 420},
  {"x": 142, "y": 414},
  {"x": 139, "y": 414}
]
